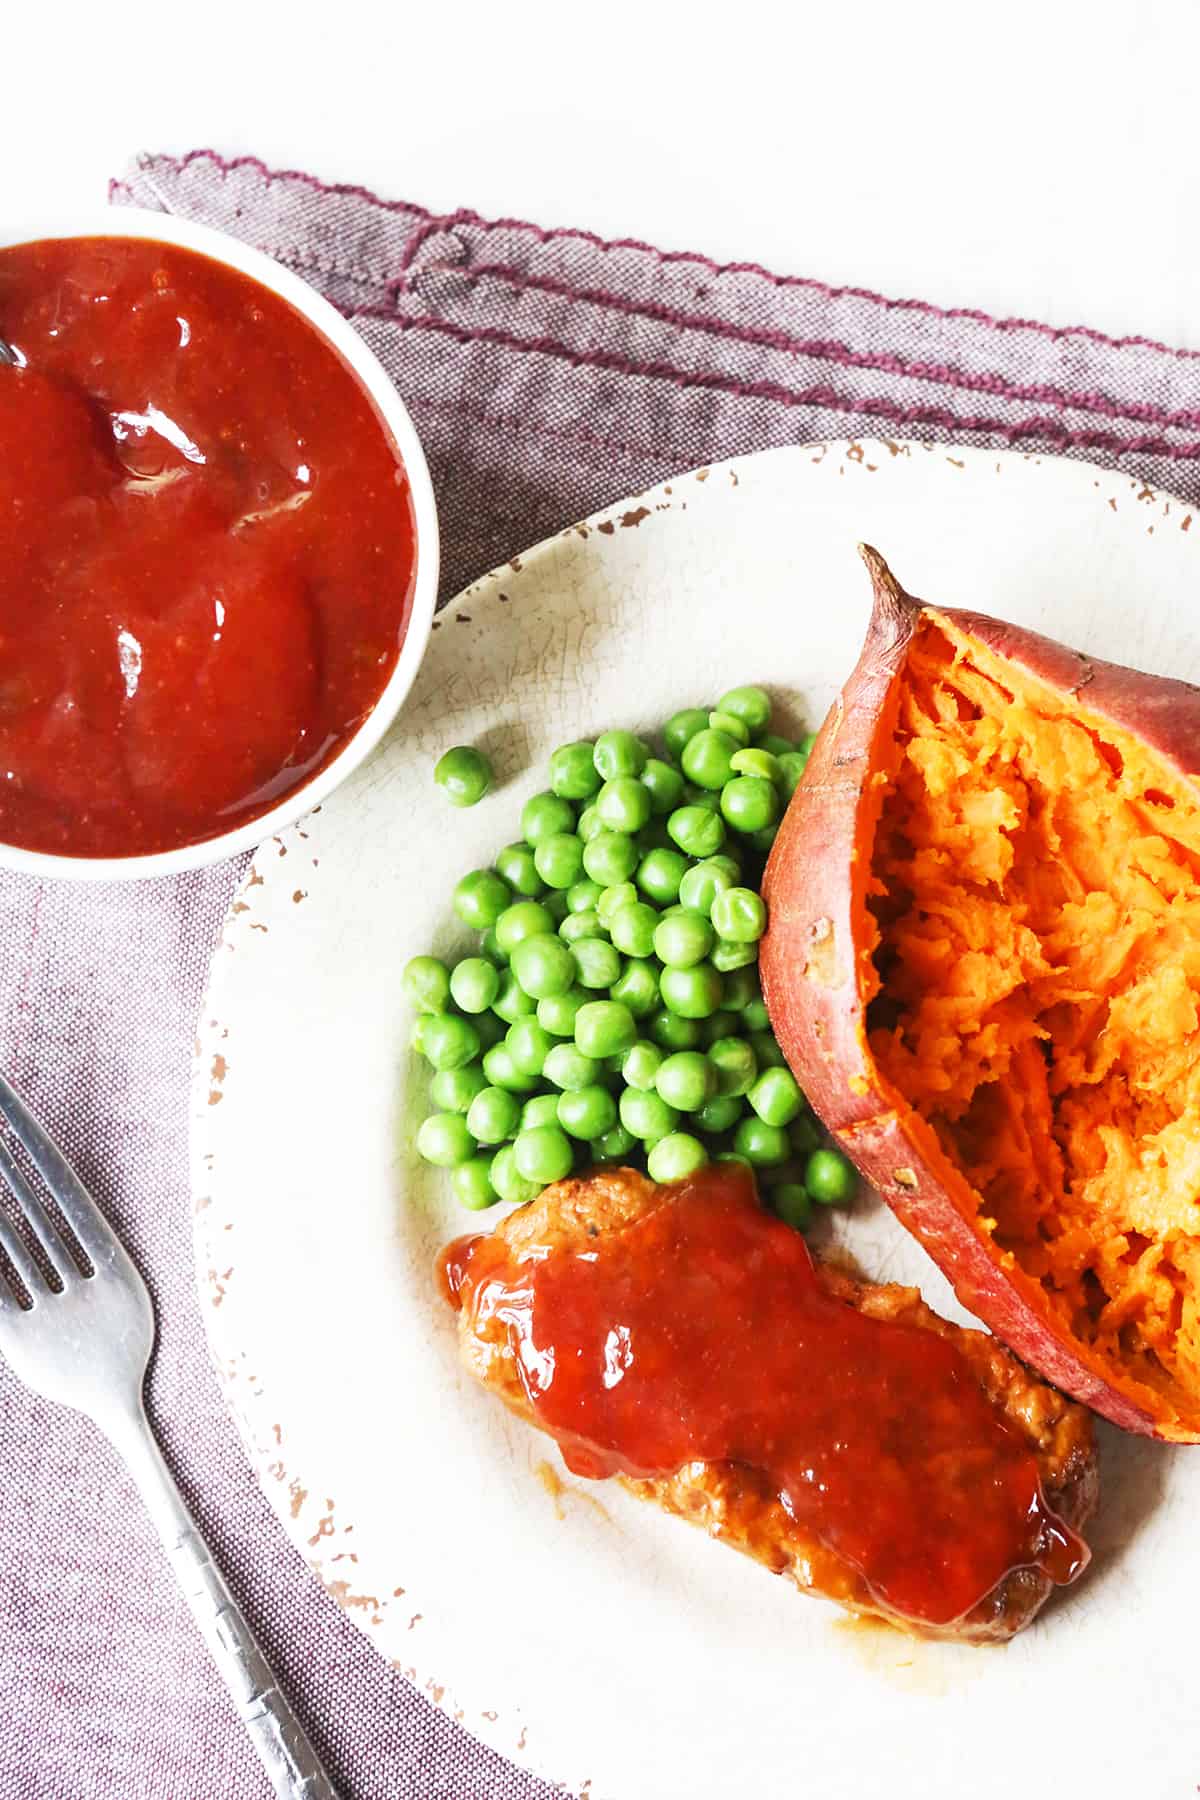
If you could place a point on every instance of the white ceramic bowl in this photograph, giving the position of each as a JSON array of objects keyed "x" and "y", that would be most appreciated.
[{"x": 166, "y": 228}]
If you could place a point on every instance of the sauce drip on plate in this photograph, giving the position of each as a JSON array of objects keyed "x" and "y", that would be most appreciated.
[
  {"x": 206, "y": 548},
  {"x": 702, "y": 1332}
]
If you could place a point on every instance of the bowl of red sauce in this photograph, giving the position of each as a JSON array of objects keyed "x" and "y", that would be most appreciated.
[{"x": 218, "y": 548}]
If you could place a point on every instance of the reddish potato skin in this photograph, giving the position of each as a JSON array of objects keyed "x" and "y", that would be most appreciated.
[{"x": 812, "y": 979}]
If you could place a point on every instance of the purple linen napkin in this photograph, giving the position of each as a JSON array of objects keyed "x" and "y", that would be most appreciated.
[{"x": 548, "y": 373}]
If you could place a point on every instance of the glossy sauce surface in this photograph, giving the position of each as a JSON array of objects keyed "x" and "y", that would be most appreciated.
[
  {"x": 702, "y": 1331},
  {"x": 206, "y": 548}
]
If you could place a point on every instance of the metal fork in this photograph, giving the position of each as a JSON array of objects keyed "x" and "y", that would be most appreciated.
[{"x": 88, "y": 1347}]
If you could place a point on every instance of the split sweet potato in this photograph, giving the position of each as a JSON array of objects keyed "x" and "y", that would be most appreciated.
[{"x": 983, "y": 964}]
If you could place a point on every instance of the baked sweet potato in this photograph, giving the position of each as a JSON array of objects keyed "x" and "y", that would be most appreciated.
[{"x": 983, "y": 964}]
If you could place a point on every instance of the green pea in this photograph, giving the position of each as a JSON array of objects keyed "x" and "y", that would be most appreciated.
[
  {"x": 490, "y": 1028},
  {"x": 749, "y": 803},
  {"x": 604, "y": 1028},
  {"x": 474, "y": 984},
  {"x": 632, "y": 927},
  {"x": 614, "y": 1145},
  {"x": 790, "y": 1200},
  {"x": 495, "y": 1114},
  {"x": 692, "y": 993},
  {"x": 546, "y": 815},
  {"x": 511, "y": 1002},
  {"x": 597, "y": 964},
  {"x": 543, "y": 965},
  {"x": 589, "y": 825},
  {"x": 528, "y": 1043},
  {"x": 480, "y": 897},
  {"x": 448, "y": 1041},
  {"x": 610, "y": 857},
  {"x": 647, "y": 1116},
  {"x": 555, "y": 903},
  {"x": 516, "y": 864},
  {"x": 698, "y": 796},
  {"x": 557, "y": 1012},
  {"x": 502, "y": 1071},
  {"x": 568, "y": 1068},
  {"x": 734, "y": 1156},
  {"x": 685, "y": 1080},
  {"x": 612, "y": 899},
  {"x": 682, "y": 939},
  {"x": 641, "y": 1064},
  {"x": 573, "y": 773},
  {"x": 654, "y": 836},
  {"x": 735, "y": 1064},
  {"x": 444, "y": 1139},
  {"x": 739, "y": 915},
  {"x": 463, "y": 774},
  {"x": 675, "y": 1157},
  {"x": 696, "y": 830},
  {"x": 729, "y": 726},
  {"x": 539, "y": 1109},
  {"x": 619, "y": 753},
  {"x": 754, "y": 1011},
  {"x": 543, "y": 1154},
  {"x": 558, "y": 859},
  {"x": 624, "y": 804},
  {"x": 508, "y": 1181},
  {"x": 804, "y": 1134},
  {"x": 583, "y": 896},
  {"x": 672, "y": 1031},
  {"x": 775, "y": 746},
  {"x": 682, "y": 727},
  {"x": 758, "y": 762},
  {"x": 741, "y": 989},
  {"x": 525, "y": 919},
  {"x": 581, "y": 925},
  {"x": 660, "y": 874},
  {"x": 489, "y": 945},
  {"x": 719, "y": 1114},
  {"x": 708, "y": 758},
  {"x": 761, "y": 841},
  {"x": 427, "y": 983},
  {"x": 472, "y": 1183},
  {"x": 791, "y": 767},
  {"x": 728, "y": 956},
  {"x": 664, "y": 784},
  {"x": 637, "y": 987},
  {"x": 769, "y": 1055},
  {"x": 829, "y": 1178},
  {"x": 703, "y": 881},
  {"x": 752, "y": 705},
  {"x": 452, "y": 1090},
  {"x": 587, "y": 1112},
  {"x": 776, "y": 1096},
  {"x": 761, "y": 1144}
]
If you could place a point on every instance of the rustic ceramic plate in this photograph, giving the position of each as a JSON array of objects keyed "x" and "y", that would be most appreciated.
[{"x": 575, "y": 1630}]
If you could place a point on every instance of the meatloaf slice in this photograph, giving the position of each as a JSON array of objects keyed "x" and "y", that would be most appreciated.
[{"x": 738, "y": 1504}]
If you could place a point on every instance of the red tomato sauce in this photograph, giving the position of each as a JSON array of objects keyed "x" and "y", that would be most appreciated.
[
  {"x": 206, "y": 548},
  {"x": 702, "y": 1332}
]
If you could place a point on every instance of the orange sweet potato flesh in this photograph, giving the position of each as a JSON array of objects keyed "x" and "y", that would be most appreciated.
[{"x": 983, "y": 964}]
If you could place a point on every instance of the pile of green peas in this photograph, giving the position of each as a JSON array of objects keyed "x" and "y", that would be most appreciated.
[{"x": 613, "y": 1010}]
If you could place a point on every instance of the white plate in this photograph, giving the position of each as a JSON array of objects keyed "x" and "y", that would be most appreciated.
[{"x": 576, "y": 1630}]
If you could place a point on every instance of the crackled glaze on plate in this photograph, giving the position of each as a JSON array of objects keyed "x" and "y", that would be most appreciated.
[{"x": 581, "y": 1633}]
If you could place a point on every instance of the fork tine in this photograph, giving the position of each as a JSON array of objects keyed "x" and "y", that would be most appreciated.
[
  {"x": 30, "y": 1276},
  {"x": 78, "y": 1208},
  {"x": 37, "y": 1218}
]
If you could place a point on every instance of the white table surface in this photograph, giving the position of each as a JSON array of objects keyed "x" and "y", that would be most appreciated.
[{"x": 1036, "y": 160}]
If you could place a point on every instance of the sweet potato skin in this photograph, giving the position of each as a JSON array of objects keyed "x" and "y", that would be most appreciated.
[{"x": 813, "y": 975}]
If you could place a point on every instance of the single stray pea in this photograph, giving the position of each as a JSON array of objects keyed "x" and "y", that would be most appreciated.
[{"x": 463, "y": 774}]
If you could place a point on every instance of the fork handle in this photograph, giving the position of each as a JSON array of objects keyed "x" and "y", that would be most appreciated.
[{"x": 291, "y": 1763}]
